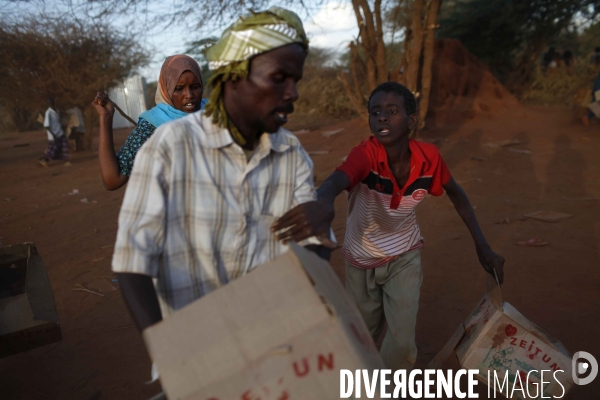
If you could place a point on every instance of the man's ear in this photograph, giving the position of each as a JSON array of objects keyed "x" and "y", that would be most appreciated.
[{"x": 413, "y": 121}]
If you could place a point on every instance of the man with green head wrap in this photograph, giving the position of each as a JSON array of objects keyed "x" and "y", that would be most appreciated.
[
  {"x": 206, "y": 189},
  {"x": 229, "y": 58}
]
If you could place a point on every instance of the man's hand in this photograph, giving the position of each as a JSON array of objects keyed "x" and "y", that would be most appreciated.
[
  {"x": 141, "y": 299},
  {"x": 491, "y": 261},
  {"x": 103, "y": 105},
  {"x": 306, "y": 220}
]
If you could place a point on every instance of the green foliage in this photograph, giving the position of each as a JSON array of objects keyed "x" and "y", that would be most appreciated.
[
  {"x": 490, "y": 33},
  {"x": 560, "y": 86},
  {"x": 510, "y": 35},
  {"x": 589, "y": 40},
  {"x": 322, "y": 94}
]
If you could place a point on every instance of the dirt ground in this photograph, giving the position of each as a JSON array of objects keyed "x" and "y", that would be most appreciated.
[{"x": 555, "y": 166}]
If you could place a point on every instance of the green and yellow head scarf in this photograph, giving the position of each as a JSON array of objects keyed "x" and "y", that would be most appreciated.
[{"x": 229, "y": 58}]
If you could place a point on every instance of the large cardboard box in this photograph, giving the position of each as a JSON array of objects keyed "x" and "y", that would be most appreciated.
[
  {"x": 283, "y": 331},
  {"x": 28, "y": 316},
  {"x": 497, "y": 337}
]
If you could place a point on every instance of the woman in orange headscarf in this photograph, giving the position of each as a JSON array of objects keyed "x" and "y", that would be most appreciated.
[{"x": 178, "y": 94}]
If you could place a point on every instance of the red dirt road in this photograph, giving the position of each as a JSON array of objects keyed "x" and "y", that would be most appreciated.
[{"x": 555, "y": 167}]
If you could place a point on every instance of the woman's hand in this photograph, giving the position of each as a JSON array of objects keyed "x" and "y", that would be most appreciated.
[{"x": 103, "y": 105}]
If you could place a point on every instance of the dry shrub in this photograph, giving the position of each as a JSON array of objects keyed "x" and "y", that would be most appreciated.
[
  {"x": 559, "y": 86},
  {"x": 322, "y": 96}
]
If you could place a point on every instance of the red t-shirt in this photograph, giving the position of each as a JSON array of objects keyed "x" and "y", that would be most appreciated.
[{"x": 381, "y": 216}]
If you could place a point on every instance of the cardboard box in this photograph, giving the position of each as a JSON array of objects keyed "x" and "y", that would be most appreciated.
[
  {"x": 28, "y": 316},
  {"x": 497, "y": 337},
  {"x": 283, "y": 331}
]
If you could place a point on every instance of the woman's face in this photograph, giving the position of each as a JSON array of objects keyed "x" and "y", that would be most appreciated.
[{"x": 188, "y": 93}]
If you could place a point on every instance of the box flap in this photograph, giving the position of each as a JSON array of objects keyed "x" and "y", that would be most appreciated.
[
  {"x": 325, "y": 281},
  {"x": 39, "y": 291},
  {"x": 516, "y": 316},
  {"x": 310, "y": 370},
  {"x": 254, "y": 315},
  {"x": 37, "y": 285},
  {"x": 519, "y": 318},
  {"x": 16, "y": 314},
  {"x": 475, "y": 325},
  {"x": 339, "y": 304}
]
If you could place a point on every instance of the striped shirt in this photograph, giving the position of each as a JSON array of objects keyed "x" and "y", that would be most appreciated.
[
  {"x": 381, "y": 216},
  {"x": 197, "y": 213}
]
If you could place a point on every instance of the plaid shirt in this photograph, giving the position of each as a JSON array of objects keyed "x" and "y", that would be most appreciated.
[{"x": 196, "y": 213}]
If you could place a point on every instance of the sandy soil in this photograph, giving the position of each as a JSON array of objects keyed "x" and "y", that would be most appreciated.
[{"x": 556, "y": 167}]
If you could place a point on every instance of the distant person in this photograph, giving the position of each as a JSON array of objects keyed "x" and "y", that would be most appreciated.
[
  {"x": 591, "y": 115},
  {"x": 567, "y": 58},
  {"x": 548, "y": 59},
  {"x": 595, "y": 58},
  {"x": 386, "y": 177},
  {"x": 557, "y": 60},
  {"x": 75, "y": 128},
  {"x": 58, "y": 145},
  {"x": 178, "y": 93}
]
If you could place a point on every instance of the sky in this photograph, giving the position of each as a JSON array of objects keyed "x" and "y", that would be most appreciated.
[{"x": 331, "y": 24}]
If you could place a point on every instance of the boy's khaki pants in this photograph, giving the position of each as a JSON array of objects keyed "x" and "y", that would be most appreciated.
[{"x": 390, "y": 293}]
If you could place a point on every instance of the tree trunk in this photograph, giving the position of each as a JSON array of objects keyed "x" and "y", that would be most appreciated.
[
  {"x": 412, "y": 52},
  {"x": 368, "y": 52},
  {"x": 382, "y": 68},
  {"x": 399, "y": 74},
  {"x": 433, "y": 9},
  {"x": 366, "y": 39}
]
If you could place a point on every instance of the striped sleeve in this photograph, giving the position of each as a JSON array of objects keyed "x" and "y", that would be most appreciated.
[{"x": 357, "y": 166}]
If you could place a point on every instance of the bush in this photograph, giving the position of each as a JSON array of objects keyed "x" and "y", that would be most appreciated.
[
  {"x": 559, "y": 86},
  {"x": 322, "y": 94}
]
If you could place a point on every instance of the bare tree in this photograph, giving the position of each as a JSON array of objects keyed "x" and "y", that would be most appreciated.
[
  {"x": 431, "y": 14},
  {"x": 369, "y": 64},
  {"x": 368, "y": 51},
  {"x": 64, "y": 59}
]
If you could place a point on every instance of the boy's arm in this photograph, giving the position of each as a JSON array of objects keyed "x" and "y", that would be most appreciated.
[
  {"x": 335, "y": 184},
  {"x": 313, "y": 218},
  {"x": 488, "y": 258}
]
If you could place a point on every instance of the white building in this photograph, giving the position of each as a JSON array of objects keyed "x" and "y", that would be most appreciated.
[{"x": 130, "y": 96}]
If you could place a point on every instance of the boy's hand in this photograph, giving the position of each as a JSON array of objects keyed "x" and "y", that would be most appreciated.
[
  {"x": 491, "y": 261},
  {"x": 305, "y": 220}
]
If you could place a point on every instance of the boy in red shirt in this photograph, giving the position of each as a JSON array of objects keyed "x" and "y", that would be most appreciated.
[{"x": 386, "y": 176}]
